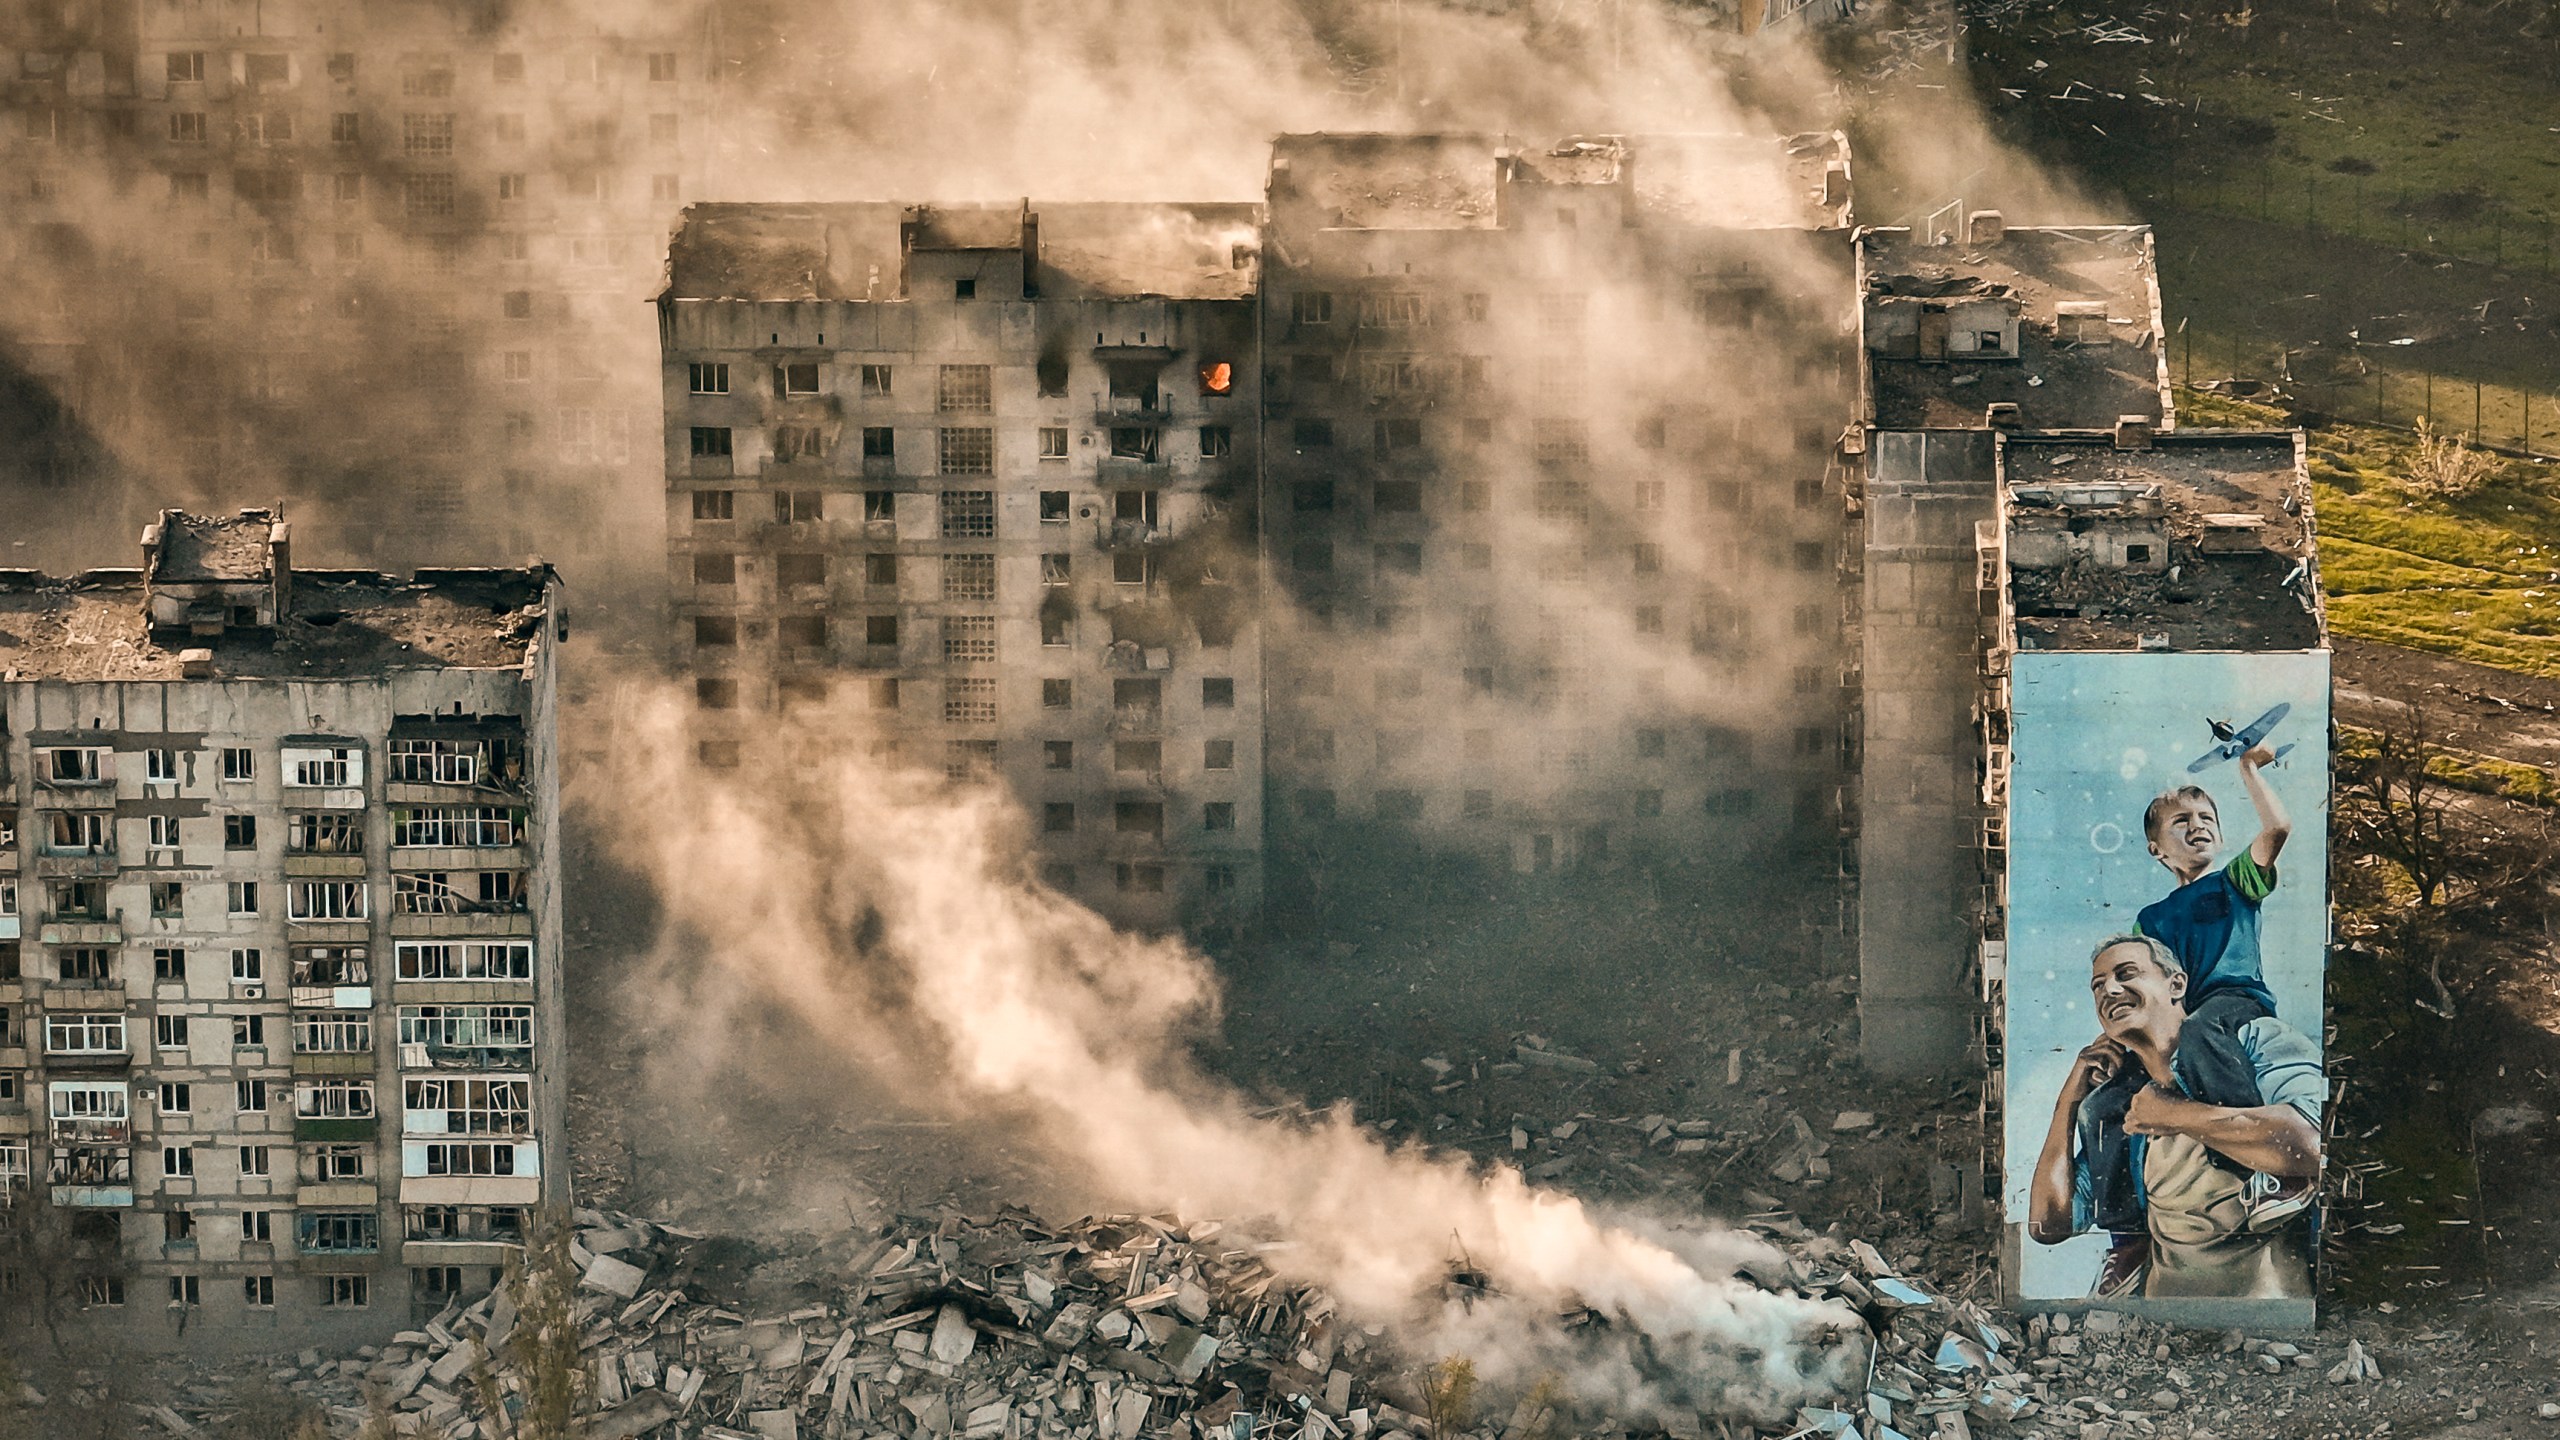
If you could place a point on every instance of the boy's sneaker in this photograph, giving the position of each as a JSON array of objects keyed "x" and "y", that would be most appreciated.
[
  {"x": 2128, "y": 1260},
  {"x": 2273, "y": 1201}
]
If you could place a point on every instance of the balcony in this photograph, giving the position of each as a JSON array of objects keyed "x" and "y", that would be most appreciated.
[
  {"x": 312, "y": 1129},
  {"x": 333, "y": 997},
  {"x": 88, "y": 1062}
]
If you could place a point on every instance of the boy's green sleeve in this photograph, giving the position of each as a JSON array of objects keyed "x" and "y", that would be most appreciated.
[{"x": 2253, "y": 882}]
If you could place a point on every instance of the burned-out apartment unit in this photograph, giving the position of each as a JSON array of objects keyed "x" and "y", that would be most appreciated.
[
  {"x": 977, "y": 480},
  {"x": 1969, "y": 332},
  {"x": 280, "y": 996},
  {"x": 1552, "y": 483},
  {"x": 449, "y": 204}
]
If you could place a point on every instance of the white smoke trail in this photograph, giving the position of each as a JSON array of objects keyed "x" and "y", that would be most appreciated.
[{"x": 897, "y": 917}]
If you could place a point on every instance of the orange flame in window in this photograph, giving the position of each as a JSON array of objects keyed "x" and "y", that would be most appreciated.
[{"x": 1218, "y": 378}]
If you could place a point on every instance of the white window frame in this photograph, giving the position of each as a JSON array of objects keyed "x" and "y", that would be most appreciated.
[
  {"x": 334, "y": 1099},
  {"x": 84, "y": 1032},
  {"x": 332, "y": 1032},
  {"x": 315, "y": 767},
  {"x": 336, "y": 900},
  {"x": 477, "y": 1105},
  {"x": 427, "y": 960}
]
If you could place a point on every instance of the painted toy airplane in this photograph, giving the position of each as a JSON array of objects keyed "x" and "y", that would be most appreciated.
[{"x": 2232, "y": 744}]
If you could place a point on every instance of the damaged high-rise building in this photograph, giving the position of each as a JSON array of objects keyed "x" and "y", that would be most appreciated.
[
  {"x": 983, "y": 476},
  {"x": 281, "y": 1047},
  {"x": 1520, "y": 465}
]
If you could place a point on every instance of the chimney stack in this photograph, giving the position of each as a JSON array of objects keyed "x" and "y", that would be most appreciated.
[
  {"x": 2133, "y": 432},
  {"x": 1985, "y": 227},
  {"x": 2003, "y": 415}
]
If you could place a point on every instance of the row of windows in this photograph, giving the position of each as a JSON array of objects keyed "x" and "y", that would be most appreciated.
[
  {"x": 959, "y": 388},
  {"x": 1139, "y": 877},
  {"x": 1550, "y": 499},
  {"x": 1554, "y": 562},
  {"x": 326, "y": 832},
  {"x": 1412, "y": 806},
  {"x": 959, "y": 514},
  {"x": 337, "y": 1292},
  {"x": 421, "y": 892},
  {"x": 312, "y": 965},
  {"x": 421, "y": 77},
  {"x": 410, "y": 761},
  {"x": 424, "y": 134}
]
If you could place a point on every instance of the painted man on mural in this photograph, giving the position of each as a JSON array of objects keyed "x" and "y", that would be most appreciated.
[{"x": 2198, "y": 1128}]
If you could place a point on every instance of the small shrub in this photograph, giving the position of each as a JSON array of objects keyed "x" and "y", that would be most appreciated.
[{"x": 2442, "y": 467}]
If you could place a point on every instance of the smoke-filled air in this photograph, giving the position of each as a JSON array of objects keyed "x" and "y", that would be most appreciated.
[{"x": 896, "y": 914}]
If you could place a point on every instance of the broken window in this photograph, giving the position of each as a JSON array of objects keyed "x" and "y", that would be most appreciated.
[
  {"x": 1057, "y": 694},
  {"x": 1217, "y": 755},
  {"x": 799, "y": 442},
  {"x": 1390, "y": 435},
  {"x": 1133, "y": 567},
  {"x": 328, "y": 967},
  {"x": 877, "y": 380},
  {"x": 715, "y": 569},
  {"x": 467, "y": 1105},
  {"x": 1134, "y": 507},
  {"x": 1394, "y": 310},
  {"x": 337, "y": 1232},
  {"x": 967, "y": 388},
  {"x": 880, "y": 630},
  {"x": 1137, "y": 756},
  {"x": 1053, "y": 507},
  {"x": 969, "y": 700},
  {"x": 1218, "y": 693},
  {"x": 1216, "y": 442},
  {"x": 880, "y": 507},
  {"x": 715, "y": 630},
  {"x": 1134, "y": 442},
  {"x": 330, "y": 832},
  {"x": 326, "y": 900},
  {"x": 186, "y": 67},
  {"x": 711, "y": 441},
  {"x": 463, "y": 959},
  {"x": 1129, "y": 817},
  {"x": 79, "y": 832},
  {"x": 1311, "y": 307},
  {"x": 1058, "y": 754},
  {"x": 801, "y": 632},
  {"x": 1056, "y": 568},
  {"x": 879, "y": 442},
  {"x": 880, "y": 569},
  {"x": 1053, "y": 443},
  {"x": 332, "y": 1032},
  {"x": 968, "y": 639},
  {"x": 968, "y": 577},
  {"x": 1139, "y": 878},
  {"x": 968, "y": 514}
]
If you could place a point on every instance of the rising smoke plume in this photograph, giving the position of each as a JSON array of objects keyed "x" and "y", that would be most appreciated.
[{"x": 896, "y": 914}]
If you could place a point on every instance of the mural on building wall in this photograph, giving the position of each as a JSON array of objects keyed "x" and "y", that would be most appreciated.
[{"x": 2168, "y": 928}]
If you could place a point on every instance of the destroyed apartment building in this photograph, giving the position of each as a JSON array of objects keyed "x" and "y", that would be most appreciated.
[
  {"x": 280, "y": 1043},
  {"x": 418, "y": 199},
  {"x": 1385, "y": 501}
]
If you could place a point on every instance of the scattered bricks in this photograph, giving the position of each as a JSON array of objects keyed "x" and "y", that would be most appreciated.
[
  {"x": 1187, "y": 1352},
  {"x": 774, "y": 1424},
  {"x": 1853, "y": 1120},
  {"x": 2103, "y": 1322},
  {"x": 2063, "y": 1345}
]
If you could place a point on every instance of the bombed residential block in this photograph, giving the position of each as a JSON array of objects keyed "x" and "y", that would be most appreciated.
[
  {"x": 279, "y": 934},
  {"x": 982, "y": 476}
]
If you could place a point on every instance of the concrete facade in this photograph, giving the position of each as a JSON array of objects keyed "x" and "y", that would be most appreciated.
[
  {"x": 282, "y": 940},
  {"x": 979, "y": 480}
]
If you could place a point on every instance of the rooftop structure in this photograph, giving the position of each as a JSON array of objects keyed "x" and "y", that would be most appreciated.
[
  {"x": 2128, "y": 540},
  {"x": 2063, "y": 324},
  {"x": 1476, "y": 181},
  {"x": 866, "y": 251}
]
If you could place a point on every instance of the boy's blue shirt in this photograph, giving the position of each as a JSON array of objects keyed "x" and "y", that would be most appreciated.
[{"x": 2211, "y": 925}]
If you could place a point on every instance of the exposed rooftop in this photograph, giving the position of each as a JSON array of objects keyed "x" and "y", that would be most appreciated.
[
  {"x": 341, "y": 624},
  {"x": 852, "y": 251},
  {"x": 2195, "y": 541},
  {"x": 2087, "y": 307},
  {"x": 1377, "y": 181},
  {"x": 199, "y": 549}
]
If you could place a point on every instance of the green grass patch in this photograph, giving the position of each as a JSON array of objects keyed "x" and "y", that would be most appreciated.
[{"x": 2477, "y": 578}]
